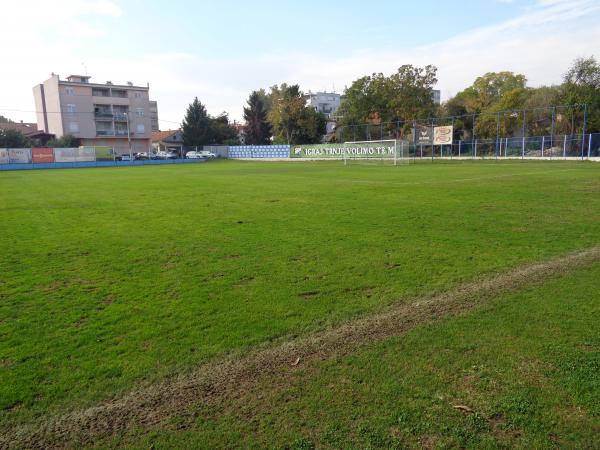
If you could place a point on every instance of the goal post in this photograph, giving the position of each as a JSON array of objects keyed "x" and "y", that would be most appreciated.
[{"x": 385, "y": 151}]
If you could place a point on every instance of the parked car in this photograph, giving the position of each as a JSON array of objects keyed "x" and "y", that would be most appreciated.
[
  {"x": 166, "y": 155},
  {"x": 141, "y": 155},
  {"x": 194, "y": 155},
  {"x": 207, "y": 154},
  {"x": 125, "y": 157}
]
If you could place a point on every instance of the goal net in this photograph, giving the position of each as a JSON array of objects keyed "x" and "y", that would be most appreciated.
[{"x": 388, "y": 151}]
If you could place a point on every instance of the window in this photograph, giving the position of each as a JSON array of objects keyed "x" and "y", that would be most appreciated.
[
  {"x": 70, "y": 108},
  {"x": 140, "y": 128},
  {"x": 137, "y": 95},
  {"x": 139, "y": 112},
  {"x": 73, "y": 127},
  {"x": 69, "y": 91}
]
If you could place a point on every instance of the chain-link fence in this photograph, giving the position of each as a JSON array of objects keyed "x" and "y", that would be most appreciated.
[{"x": 533, "y": 147}]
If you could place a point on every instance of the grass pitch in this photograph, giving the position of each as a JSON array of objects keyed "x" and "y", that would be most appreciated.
[{"x": 112, "y": 278}]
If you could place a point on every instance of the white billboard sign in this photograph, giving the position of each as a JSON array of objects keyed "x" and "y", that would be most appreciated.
[
  {"x": 83, "y": 154},
  {"x": 19, "y": 155},
  {"x": 443, "y": 135}
]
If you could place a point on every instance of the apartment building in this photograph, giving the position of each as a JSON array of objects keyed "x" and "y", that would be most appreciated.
[
  {"x": 106, "y": 114},
  {"x": 154, "y": 116},
  {"x": 324, "y": 102}
]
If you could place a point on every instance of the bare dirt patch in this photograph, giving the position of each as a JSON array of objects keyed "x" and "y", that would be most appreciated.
[{"x": 237, "y": 375}]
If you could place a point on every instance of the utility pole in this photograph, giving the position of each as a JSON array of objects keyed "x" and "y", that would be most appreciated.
[{"x": 129, "y": 137}]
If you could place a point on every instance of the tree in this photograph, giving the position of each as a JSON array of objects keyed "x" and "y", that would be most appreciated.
[
  {"x": 257, "y": 128},
  {"x": 582, "y": 86},
  {"x": 403, "y": 96},
  {"x": 13, "y": 139},
  {"x": 67, "y": 141},
  {"x": 5, "y": 119},
  {"x": 196, "y": 126},
  {"x": 489, "y": 88},
  {"x": 486, "y": 98},
  {"x": 221, "y": 131},
  {"x": 291, "y": 120},
  {"x": 584, "y": 72}
]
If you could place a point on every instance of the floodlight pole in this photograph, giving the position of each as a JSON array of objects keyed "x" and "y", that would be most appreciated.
[{"x": 584, "y": 127}]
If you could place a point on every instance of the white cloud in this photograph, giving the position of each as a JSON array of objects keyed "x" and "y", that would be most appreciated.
[{"x": 540, "y": 43}]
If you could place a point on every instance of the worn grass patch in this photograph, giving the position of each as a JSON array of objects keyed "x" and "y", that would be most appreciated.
[{"x": 512, "y": 374}]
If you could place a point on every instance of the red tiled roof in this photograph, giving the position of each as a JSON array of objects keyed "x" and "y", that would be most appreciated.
[
  {"x": 159, "y": 136},
  {"x": 26, "y": 128}
]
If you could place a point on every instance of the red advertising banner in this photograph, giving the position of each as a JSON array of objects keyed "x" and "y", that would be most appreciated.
[{"x": 42, "y": 155}]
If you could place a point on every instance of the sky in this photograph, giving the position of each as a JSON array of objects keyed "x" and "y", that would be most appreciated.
[{"x": 221, "y": 51}]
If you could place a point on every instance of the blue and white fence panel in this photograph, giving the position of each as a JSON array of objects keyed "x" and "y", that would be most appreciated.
[{"x": 259, "y": 151}]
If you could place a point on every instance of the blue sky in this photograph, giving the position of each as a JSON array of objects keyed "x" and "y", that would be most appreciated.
[
  {"x": 242, "y": 27},
  {"x": 220, "y": 51}
]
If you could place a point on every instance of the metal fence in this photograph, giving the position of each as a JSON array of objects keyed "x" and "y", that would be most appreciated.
[{"x": 534, "y": 147}]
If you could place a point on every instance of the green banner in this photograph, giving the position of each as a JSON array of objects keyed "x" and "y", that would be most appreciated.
[
  {"x": 104, "y": 154},
  {"x": 345, "y": 150}
]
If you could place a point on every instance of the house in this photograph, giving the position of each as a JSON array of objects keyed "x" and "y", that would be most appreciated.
[
  {"x": 168, "y": 140},
  {"x": 30, "y": 130}
]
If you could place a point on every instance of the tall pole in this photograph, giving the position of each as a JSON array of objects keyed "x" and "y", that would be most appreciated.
[
  {"x": 584, "y": 127},
  {"x": 129, "y": 137},
  {"x": 552, "y": 128},
  {"x": 497, "y": 131},
  {"x": 524, "y": 133},
  {"x": 473, "y": 140}
]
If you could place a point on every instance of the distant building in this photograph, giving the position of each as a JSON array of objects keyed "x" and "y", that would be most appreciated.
[
  {"x": 98, "y": 114},
  {"x": 241, "y": 132},
  {"x": 30, "y": 130},
  {"x": 168, "y": 140},
  {"x": 154, "y": 116},
  {"x": 437, "y": 97},
  {"x": 324, "y": 102}
]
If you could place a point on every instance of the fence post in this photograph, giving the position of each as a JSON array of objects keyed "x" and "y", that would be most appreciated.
[
  {"x": 589, "y": 145},
  {"x": 565, "y": 147},
  {"x": 459, "y": 144},
  {"x": 543, "y": 140},
  {"x": 475, "y": 154}
]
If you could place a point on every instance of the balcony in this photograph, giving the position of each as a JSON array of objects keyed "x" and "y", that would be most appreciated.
[
  {"x": 103, "y": 115},
  {"x": 105, "y": 133},
  {"x": 100, "y": 93}
]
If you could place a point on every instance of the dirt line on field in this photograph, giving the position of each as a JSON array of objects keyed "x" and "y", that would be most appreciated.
[{"x": 235, "y": 376}]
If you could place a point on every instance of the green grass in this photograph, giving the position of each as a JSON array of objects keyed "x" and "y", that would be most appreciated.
[
  {"x": 527, "y": 364},
  {"x": 111, "y": 277}
]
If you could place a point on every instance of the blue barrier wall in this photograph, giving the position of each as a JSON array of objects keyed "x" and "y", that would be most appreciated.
[
  {"x": 74, "y": 165},
  {"x": 259, "y": 151}
]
